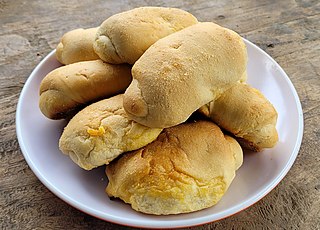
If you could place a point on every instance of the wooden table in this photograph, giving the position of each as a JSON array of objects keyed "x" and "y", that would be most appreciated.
[{"x": 288, "y": 30}]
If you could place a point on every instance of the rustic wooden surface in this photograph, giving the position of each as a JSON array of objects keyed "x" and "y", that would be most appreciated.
[{"x": 288, "y": 30}]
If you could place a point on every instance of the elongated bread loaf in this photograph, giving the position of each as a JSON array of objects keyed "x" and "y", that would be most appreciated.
[
  {"x": 77, "y": 46},
  {"x": 183, "y": 71},
  {"x": 68, "y": 88},
  {"x": 101, "y": 132},
  {"x": 124, "y": 37},
  {"x": 246, "y": 113},
  {"x": 187, "y": 168}
]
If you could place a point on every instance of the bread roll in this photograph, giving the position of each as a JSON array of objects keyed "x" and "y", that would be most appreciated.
[
  {"x": 246, "y": 113},
  {"x": 124, "y": 37},
  {"x": 187, "y": 168},
  {"x": 183, "y": 71},
  {"x": 77, "y": 46},
  {"x": 101, "y": 132},
  {"x": 66, "y": 89}
]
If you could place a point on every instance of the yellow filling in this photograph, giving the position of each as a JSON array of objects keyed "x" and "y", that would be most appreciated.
[{"x": 96, "y": 132}]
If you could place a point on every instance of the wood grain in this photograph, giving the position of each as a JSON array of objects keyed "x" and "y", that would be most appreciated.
[{"x": 288, "y": 30}]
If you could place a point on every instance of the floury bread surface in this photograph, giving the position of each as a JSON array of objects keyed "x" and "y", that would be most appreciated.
[
  {"x": 189, "y": 167},
  {"x": 68, "y": 88},
  {"x": 124, "y": 37},
  {"x": 76, "y": 46},
  {"x": 183, "y": 71},
  {"x": 101, "y": 132},
  {"x": 246, "y": 113}
]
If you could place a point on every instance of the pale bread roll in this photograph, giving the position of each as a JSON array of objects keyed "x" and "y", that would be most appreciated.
[
  {"x": 124, "y": 37},
  {"x": 69, "y": 88},
  {"x": 101, "y": 132},
  {"x": 183, "y": 71},
  {"x": 246, "y": 113},
  {"x": 76, "y": 46},
  {"x": 189, "y": 167}
]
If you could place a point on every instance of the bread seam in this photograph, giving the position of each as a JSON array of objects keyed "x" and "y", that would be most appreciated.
[{"x": 114, "y": 47}]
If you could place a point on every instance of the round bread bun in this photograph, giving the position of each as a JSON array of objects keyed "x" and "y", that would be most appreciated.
[
  {"x": 101, "y": 132},
  {"x": 189, "y": 167}
]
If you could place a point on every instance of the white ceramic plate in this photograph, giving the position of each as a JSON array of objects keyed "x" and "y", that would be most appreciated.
[{"x": 260, "y": 173}]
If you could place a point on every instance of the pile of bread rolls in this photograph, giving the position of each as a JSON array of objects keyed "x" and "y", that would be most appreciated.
[{"x": 147, "y": 93}]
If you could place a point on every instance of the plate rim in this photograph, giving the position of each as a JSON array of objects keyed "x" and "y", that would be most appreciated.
[{"x": 163, "y": 223}]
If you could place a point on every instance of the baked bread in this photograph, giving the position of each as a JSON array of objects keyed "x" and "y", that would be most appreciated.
[
  {"x": 187, "y": 168},
  {"x": 183, "y": 71},
  {"x": 124, "y": 37},
  {"x": 77, "y": 46},
  {"x": 68, "y": 88},
  {"x": 101, "y": 132},
  {"x": 246, "y": 113}
]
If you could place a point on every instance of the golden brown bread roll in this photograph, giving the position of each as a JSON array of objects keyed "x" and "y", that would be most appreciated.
[
  {"x": 187, "y": 168},
  {"x": 124, "y": 37},
  {"x": 246, "y": 113},
  {"x": 68, "y": 88},
  {"x": 183, "y": 71},
  {"x": 77, "y": 46},
  {"x": 101, "y": 132}
]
